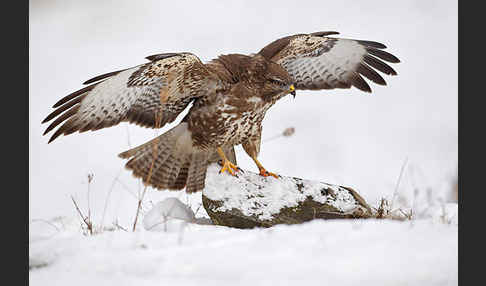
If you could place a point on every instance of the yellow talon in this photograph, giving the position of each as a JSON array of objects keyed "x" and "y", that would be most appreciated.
[
  {"x": 263, "y": 172},
  {"x": 230, "y": 167},
  {"x": 227, "y": 165},
  {"x": 266, "y": 173}
]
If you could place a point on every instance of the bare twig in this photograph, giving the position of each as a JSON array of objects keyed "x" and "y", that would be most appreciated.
[
  {"x": 398, "y": 182},
  {"x": 126, "y": 188},
  {"x": 408, "y": 215},
  {"x": 383, "y": 209},
  {"x": 88, "y": 223},
  {"x": 108, "y": 196},
  {"x": 197, "y": 210},
  {"x": 45, "y": 221},
  {"x": 119, "y": 226},
  {"x": 131, "y": 193},
  {"x": 149, "y": 176},
  {"x": 90, "y": 178}
]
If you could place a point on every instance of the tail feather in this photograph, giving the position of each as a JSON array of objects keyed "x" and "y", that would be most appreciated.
[
  {"x": 180, "y": 181},
  {"x": 198, "y": 180},
  {"x": 174, "y": 173},
  {"x": 147, "y": 160},
  {"x": 196, "y": 174},
  {"x": 169, "y": 161},
  {"x": 170, "y": 169}
]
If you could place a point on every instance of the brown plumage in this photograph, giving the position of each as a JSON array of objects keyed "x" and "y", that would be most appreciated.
[{"x": 230, "y": 97}]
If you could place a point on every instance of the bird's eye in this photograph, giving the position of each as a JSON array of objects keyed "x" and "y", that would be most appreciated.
[{"x": 277, "y": 82}]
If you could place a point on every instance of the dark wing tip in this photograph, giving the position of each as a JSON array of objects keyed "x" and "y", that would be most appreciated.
[
  {"x": 74, "y": 94},
  {"x": 358, "y": 82},
  {"x": 105, "y": 75},
  {"x": 372, "y": 44},
  {"x": 324, "y": 33},
  {"x": 383, "y": 55},
  {"x": 68, "y": 114},
  {"x": 63, "y": 108},
  {"x": 51, "y": 139},
  {"x": 55, "y": 135},
  {"x": 46, "y": 119},
  {"x": 379, "y": 65},
  {"x": 370, "y": 74}
]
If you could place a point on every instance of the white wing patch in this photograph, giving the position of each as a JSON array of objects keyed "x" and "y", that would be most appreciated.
[
  {"x": 106, "y": 102},
  {"x": 319, "y": 62},
  {"x": 329, "y": 69}
]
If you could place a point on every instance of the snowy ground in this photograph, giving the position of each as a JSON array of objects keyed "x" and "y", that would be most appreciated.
[{"x": 333, "y": 252}]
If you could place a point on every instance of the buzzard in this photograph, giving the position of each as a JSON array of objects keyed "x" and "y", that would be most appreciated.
[{"x": 230, "y": 96}]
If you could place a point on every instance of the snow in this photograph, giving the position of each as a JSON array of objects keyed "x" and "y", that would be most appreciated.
[
  {"x": 266, "y": 196},
  {"x": 168, "y": 215},
  {"x": 332, "y": 252}
]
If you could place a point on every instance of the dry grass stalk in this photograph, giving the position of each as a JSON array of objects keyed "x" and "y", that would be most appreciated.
[
  {"x": 90, "y": 178},
  {"x": 86, "y": 220},
  {"x": 158, "y": 118},
  {"x": 398, "y": 181},
  {"x": 108, "y": 196},
  {"x": 45, "y": 221},
  {"x": 115, "y": 223},
  {"x": 384, "y": 211}
]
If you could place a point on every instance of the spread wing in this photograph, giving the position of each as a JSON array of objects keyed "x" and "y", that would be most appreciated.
[
  {"x": 149, "y": 95},
  {"x": 316, "y": 61}
]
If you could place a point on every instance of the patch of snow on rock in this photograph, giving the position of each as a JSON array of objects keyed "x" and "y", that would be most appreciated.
[{"x": 263, "y": 197}]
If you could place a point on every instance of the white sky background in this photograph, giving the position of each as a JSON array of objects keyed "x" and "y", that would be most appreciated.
[{"x": 342, "y": 136}]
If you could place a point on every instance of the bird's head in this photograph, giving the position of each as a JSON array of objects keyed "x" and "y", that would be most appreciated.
[
  {"x": 273, "y": 79},
  {"x": 278, "y": 80}
]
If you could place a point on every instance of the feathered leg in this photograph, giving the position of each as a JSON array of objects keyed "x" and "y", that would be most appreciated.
[
  {"x": 252, "y": 148},
  {"x": 264, "y": 172}
]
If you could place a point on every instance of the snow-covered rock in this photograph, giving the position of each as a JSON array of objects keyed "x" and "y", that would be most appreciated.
[{"x": 251, "y": 200}]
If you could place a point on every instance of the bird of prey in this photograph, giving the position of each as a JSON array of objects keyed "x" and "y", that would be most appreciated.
[{"x": 229, "y": 94}]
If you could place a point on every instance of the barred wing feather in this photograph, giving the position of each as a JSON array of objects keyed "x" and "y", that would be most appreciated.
[
  {"x": 316, "y": 61},
  {"x": 149, "y": 95}
]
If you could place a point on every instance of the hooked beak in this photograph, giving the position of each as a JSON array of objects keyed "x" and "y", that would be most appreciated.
[{"x": 292, "y": 90}]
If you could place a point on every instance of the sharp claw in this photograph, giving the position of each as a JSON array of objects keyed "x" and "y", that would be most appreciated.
[
  {"x": 230, "y": 167},
  {"x": 266, "y": 173}
]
